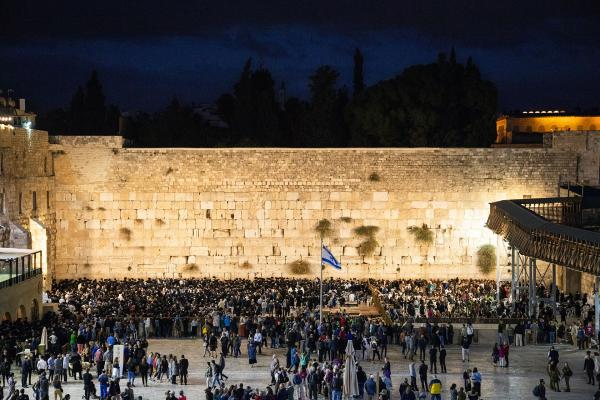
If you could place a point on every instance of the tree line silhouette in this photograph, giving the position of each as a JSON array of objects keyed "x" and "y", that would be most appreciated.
[{"x": 441, "y": 104}]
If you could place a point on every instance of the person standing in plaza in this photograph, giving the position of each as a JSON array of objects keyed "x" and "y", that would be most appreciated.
[
  {"x": 443, "y": 354},
  {"x": 466, "y": 343},
  {"x": 588, "y": 367},
  {"x": 567, "y": 373},
  {"x": 412, "y": 372},
  {"x": 476, "y": 379},
  {"x": 423, "y": 375},
  {"x": 435, "y": 388},
  {"x": 251, "y": 354},
  {"x": 88, "y": 385},
  {"x": 183, "y": 370},
  {"x": 433, "y": 359}
]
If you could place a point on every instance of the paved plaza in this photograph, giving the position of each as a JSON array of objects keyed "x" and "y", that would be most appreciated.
[{"x": 526, "y": 368}]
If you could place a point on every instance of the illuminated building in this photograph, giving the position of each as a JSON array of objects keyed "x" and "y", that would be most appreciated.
[
  {"x": 529, "y": 127},
  {"x": 13, "y": 114}
]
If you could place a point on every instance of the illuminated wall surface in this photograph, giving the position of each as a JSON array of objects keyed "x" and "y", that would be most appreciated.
[
  {"x": 543, "y": 123},
  {"x": 117, "y": 212}
]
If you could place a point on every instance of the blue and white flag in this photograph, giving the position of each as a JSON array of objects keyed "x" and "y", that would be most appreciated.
[{"x": 328, "y": 258}]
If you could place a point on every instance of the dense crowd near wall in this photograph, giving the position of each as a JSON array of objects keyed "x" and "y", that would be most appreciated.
[{"x": 251, "y": 212}]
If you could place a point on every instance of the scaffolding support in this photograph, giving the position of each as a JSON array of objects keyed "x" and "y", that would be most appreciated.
[
  {"x": 514, "y": 284},
  {"x": 532, "y": 288}
]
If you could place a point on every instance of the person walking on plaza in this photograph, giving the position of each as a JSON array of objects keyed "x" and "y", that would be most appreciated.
[
  {"x": 88, "y": 385},
  {"x": 103, "y": 381},
  {"x": 433, "y": 359},
  {"x": 183, "y": 369},
  {"x": 423, "y": 375},
  {"x": 588, "y": 367},
  {"x": 370, "y": 388},
  {"x": 567, "y": 373},
  {"x": 435, "y": 388},
  {"x": 465, "y": 344},
  {"x": 412, "y": 372},
  {"x": 443, "y": 354},
  {"x": 540, "y": 391},
  {"x": 554, "y": 375},
  {"x": 476, "y": 378}
]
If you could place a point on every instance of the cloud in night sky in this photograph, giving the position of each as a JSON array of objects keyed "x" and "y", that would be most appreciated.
[{"x": 148, "y": 51}]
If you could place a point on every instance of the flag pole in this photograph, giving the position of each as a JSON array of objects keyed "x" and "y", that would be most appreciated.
[{"x": 321, "y": 282}]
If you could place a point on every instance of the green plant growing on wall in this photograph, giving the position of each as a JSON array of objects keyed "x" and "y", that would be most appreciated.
[
  {"x": 299, "y": 267},
  {"x": 422, "y": 234},
  {"x": 374, "y": 177},
  {"x": 88, "y": 208},
  {"x": 169, "y": 171},
  {"x": 367, "y": 247},
  {"x": 369, "y": 244},
  {"x": 160, "y": 221},
  {"x": 125, "y": 233},
  {"x": 486, "y": 258},
  {"x": 346, "y": 219},
  {"x": 323, "y": 228},
  {"x": 246, "y": 265}
]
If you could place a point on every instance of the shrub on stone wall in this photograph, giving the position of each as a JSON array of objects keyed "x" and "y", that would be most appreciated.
[
  {"x": 346, "y": 219},
  {"x": 299, "y": 267},
  {"x": 323, "y": 228},
  {"x": 369, "y": 244},
  {"x": 246, "y": 265},
  {"x": 422, "y": 234},
  {"x": 374, "y": 177},
  {"x": 486, "y": 258},
  {"x": 367, "y": 247},
  {"x": 125, "y": 233}
]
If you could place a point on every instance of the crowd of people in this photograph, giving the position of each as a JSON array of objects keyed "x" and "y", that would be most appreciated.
[{"x": 243, "y": 317}]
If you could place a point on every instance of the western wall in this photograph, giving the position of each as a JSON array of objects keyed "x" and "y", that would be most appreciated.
[
  {"x": 107, "y": 211},
  {"x": 132, "y": 212}
]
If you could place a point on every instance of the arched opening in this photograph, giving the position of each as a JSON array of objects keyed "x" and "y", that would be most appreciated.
[
  {"x": 35, "y": 310},
  {"x": 6, "y": 317},
  {"x": 21, "y": 312}
]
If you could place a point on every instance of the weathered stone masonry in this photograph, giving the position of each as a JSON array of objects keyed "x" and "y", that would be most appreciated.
[{"x": 205, "y": 212}]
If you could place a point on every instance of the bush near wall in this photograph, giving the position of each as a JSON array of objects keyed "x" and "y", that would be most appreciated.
[{"x": 486, "y": 258}]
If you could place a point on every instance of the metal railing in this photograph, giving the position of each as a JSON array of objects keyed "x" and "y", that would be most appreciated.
[
  {"x": 19, "y": 269},
  {"x": 560, "y": 210}
]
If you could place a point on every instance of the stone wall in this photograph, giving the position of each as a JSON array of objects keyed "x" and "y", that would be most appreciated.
[
  {"x": 27, "y": 177},
  {"x": 248, "y": 212}
]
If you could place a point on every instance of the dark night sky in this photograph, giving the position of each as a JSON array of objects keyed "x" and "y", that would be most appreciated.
[{"x": 542, "y": 54}]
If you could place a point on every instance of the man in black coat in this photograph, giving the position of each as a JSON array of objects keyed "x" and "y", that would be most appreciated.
[
  {"x": 433, "y": 359},
  {"x": 183, "y": 369},
  {"x": 423, "y": 375},
  {"x": 443, "y": 359},
  {"x": 588, "y": 367}
]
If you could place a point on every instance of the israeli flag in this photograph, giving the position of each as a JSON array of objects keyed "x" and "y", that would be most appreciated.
[{"x": 328, "y": 258}]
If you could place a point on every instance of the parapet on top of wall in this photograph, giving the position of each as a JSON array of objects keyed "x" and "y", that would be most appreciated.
[{"x": 89, "y": 141}]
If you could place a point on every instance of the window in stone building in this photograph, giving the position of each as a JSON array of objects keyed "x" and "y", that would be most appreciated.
[
  {"x": 47, "y": 199},
  {"x": 34, "y": 201},
  {"x": 20, "y": 203}
]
